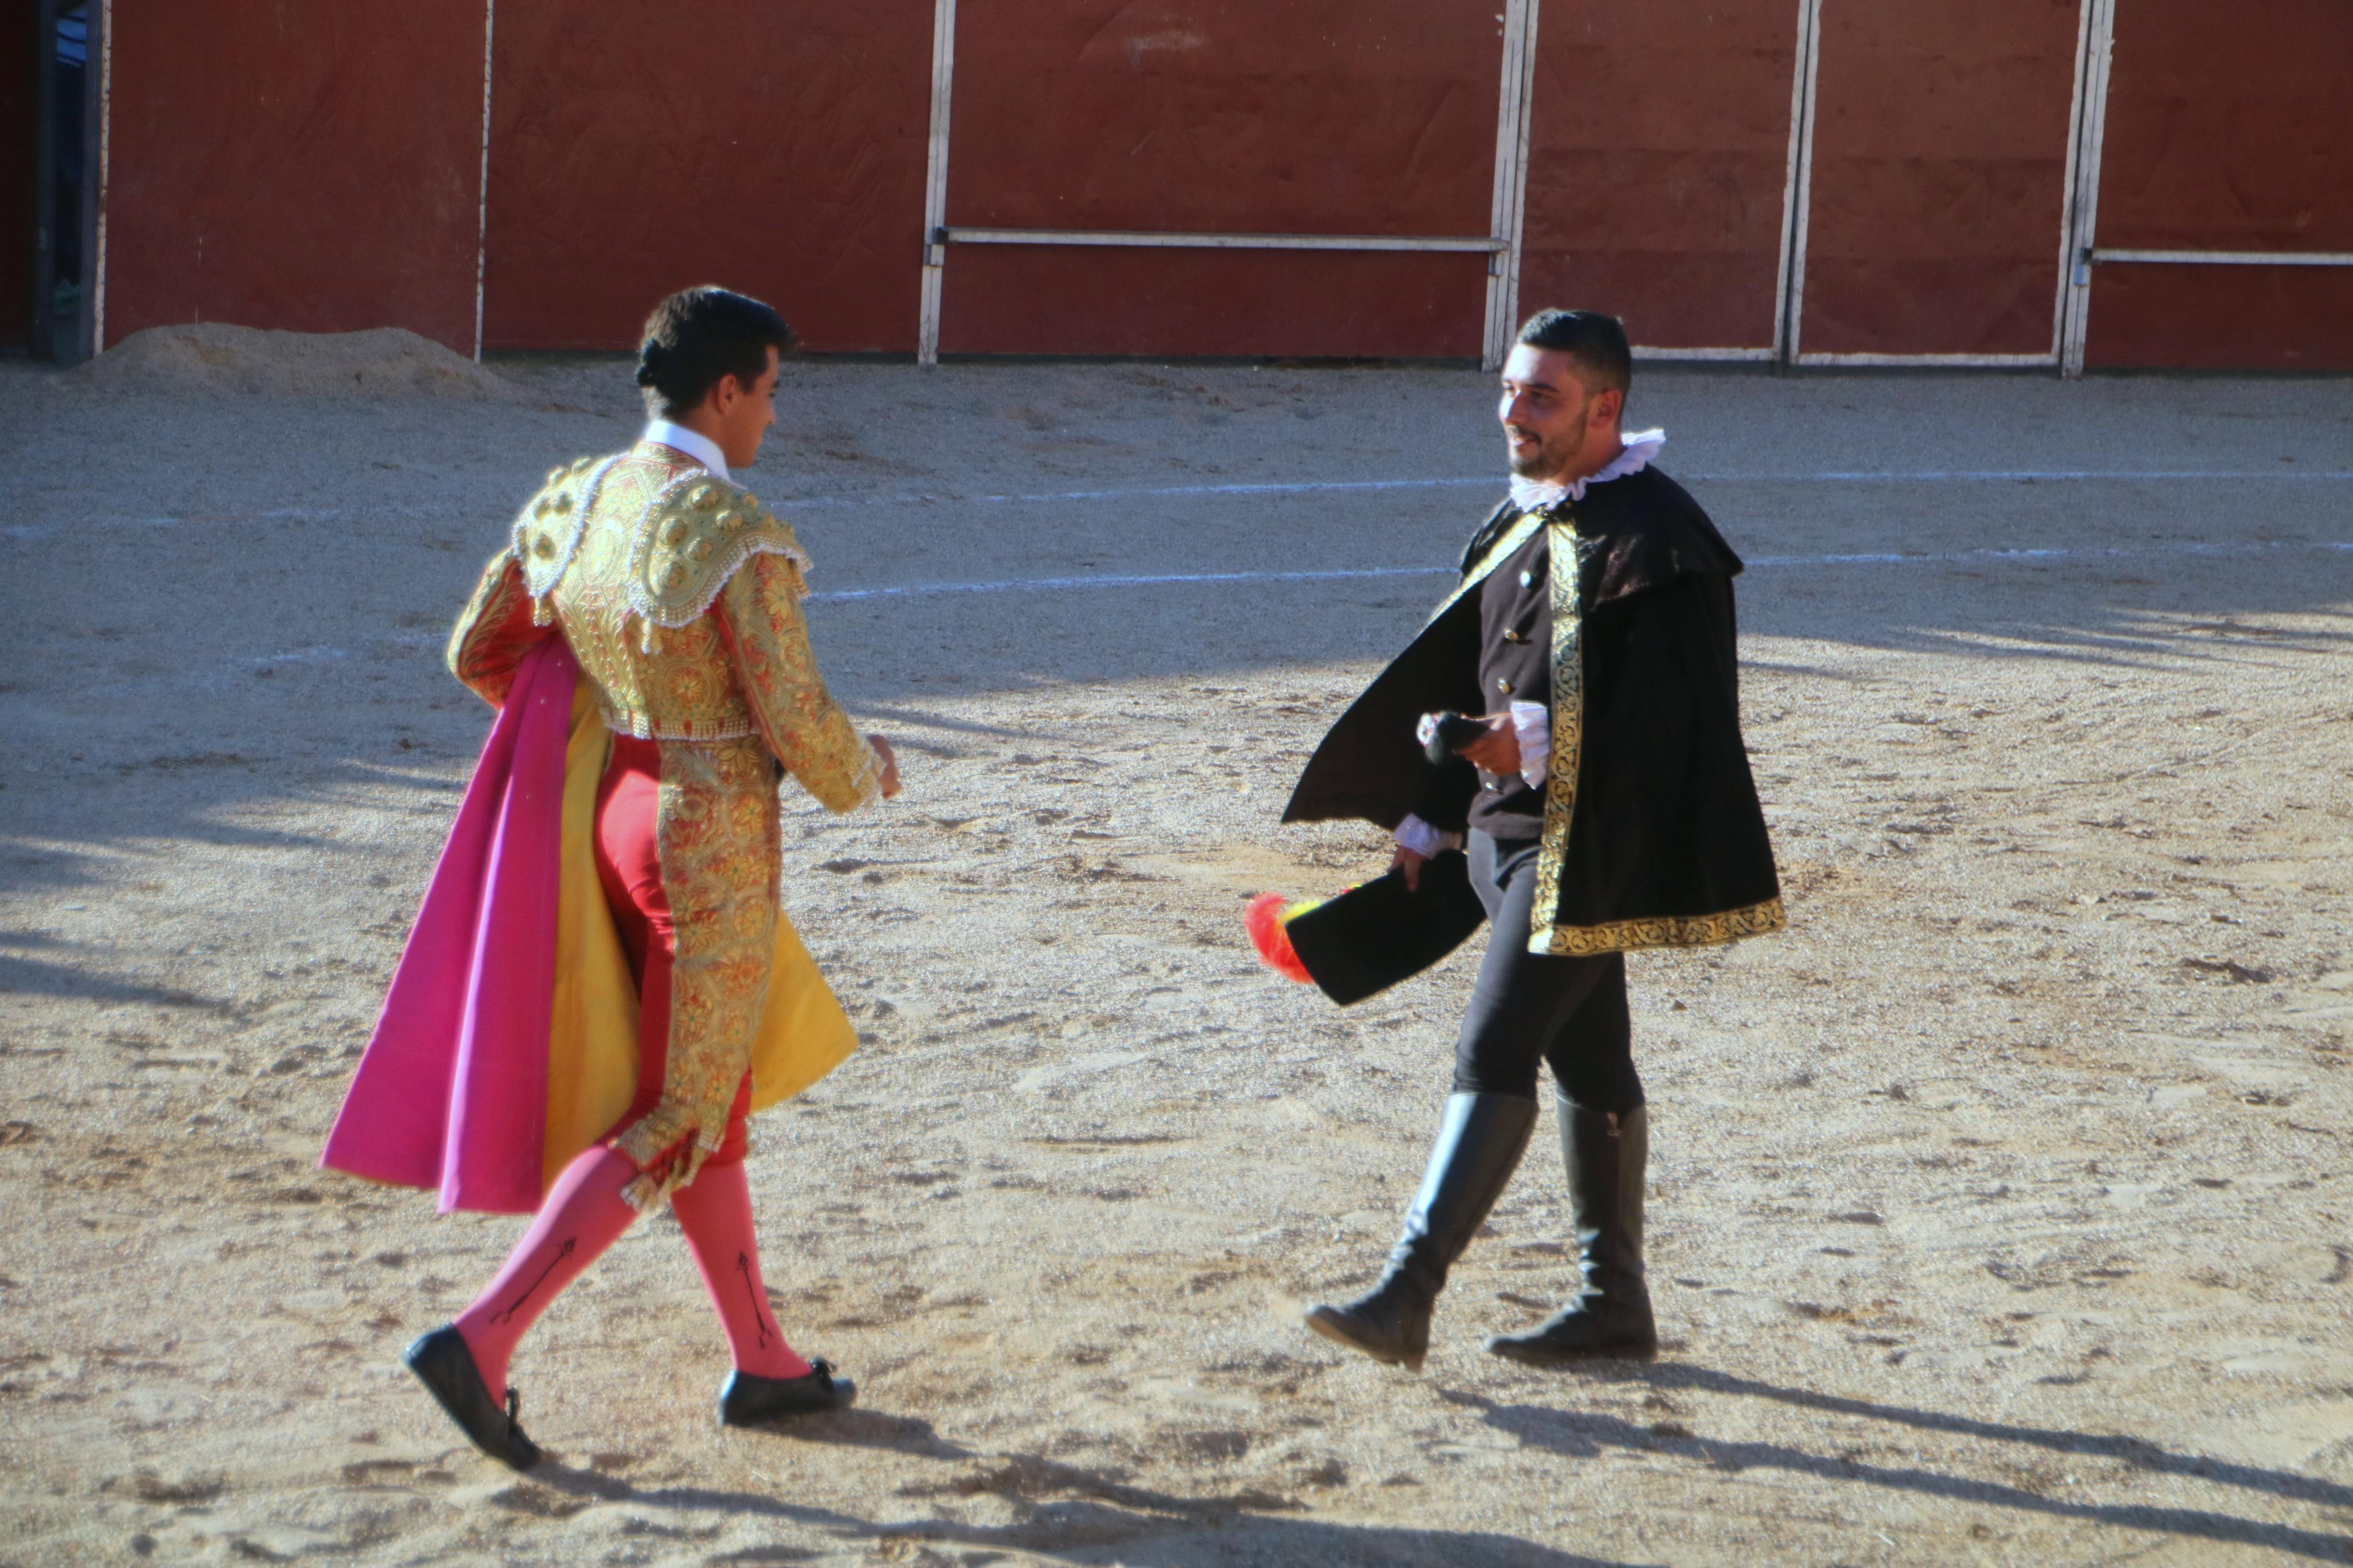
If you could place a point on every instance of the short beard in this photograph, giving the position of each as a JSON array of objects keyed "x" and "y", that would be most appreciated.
[{"x": 1554, "y": 452}]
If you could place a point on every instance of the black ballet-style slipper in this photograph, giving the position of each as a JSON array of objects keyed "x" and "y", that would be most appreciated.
[
  {"x": 445, "y": 1365},
  {"x": 746, "y": 1400}
]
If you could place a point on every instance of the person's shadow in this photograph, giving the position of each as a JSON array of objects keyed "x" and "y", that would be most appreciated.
[
  {"x": 1583, "y": 1434},
  {"x": 1071, "y": 1509},
  {"x": 1067, "y": 1509}
]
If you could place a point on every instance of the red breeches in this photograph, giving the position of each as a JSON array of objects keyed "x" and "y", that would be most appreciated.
[{"x": 628, "y": 863}]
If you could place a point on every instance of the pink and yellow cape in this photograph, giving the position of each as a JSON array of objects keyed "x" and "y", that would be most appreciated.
[{"x": 509, "y": 1039}]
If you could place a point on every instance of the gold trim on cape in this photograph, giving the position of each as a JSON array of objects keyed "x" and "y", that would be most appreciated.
[
  {"x": 1660, "y": 930},
  {"x": 1497, "y": 554},
  {"x": 1568, "y": 704}
]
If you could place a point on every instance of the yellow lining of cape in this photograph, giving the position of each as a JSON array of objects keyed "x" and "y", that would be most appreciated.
[{"x": 592, "y": 1047}]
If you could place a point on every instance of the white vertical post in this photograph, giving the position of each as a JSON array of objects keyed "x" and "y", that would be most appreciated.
[
  {"x": 2067, "y": 188},
  {"x": 1797, "y": 193},
  {"x": 105, "y": 151},
  {"x": 1509, "y": 210},
  {"x": 2084, "y": 197},
  {"x": 482, "y": 209},
  {"x": 935, "y": 181}
]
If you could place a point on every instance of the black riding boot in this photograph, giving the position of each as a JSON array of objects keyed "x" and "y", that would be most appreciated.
[
  {"x": 1611, "y": 1315},
  {"x": 1479, "y": 1145}
]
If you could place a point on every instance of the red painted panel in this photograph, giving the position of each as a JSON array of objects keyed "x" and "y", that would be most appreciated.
[
  {"x": 775, "y": 146},
  {"x": 1055, "y": 300},
  {"x": 2248, "y": 147},
  {"x": 1659, "y": 151},
  {"x": 1309, "y": 117},
  {"x": 1939, "y": 176},
  {"x": 2239, "y": 140},
  {"x": 2221, "y": 318},
  {"x": 1312, "y": 117},
  {"x": 314, "y": 167},
  {"x": 19, "y": 82}
]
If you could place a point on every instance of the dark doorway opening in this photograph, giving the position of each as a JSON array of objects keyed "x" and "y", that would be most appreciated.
[
  {"x": 20, "y": 74},
  {"x": 58, "y": 315}
]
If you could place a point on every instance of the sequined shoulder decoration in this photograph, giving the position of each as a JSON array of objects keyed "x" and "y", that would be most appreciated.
[
  {"x": 547, "y": 530},
  {"x": 695, "y": 534}
]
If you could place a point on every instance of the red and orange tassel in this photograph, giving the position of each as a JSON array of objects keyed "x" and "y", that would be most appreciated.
[{"x": 1265, "y": 917}]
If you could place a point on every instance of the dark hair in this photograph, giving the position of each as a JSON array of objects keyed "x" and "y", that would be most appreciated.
[
  {"x": 698, "y": 335},
  {"x": 1596, "y": 341}
]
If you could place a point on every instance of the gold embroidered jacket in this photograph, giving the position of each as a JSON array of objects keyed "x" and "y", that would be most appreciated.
[{"x": 680, "y": 596}]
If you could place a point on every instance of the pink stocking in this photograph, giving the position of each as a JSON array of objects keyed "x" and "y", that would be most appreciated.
[
  {"x": 715, "y": 1212},
  {"x": 582, "y": 1214}
]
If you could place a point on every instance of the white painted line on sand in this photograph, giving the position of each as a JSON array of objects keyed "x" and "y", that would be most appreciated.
[
  {"x": 1336, "y": 487},
  {"x": 51, "y": 530},
  {"x": 1044, "y": 585},
  {"x": 2181, "y": 547},
  {"x": 1891, "y": 558},
  {"x": 2024, "y": 475},
  {"x": 1304, "y": 487}
]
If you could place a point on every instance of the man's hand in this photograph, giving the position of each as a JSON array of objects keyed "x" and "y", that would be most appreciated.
[
  {"x": 889, "y": 764},
  {"x": 1409, "y": 862},
  {"x": 1498, "y": 750}
]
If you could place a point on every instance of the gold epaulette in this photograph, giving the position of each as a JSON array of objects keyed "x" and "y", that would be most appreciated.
[
  {"x": 547, "y": 530},
  {"x": 695, "y": 536}
]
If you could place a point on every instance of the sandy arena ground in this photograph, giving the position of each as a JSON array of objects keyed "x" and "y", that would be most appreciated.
[{"x": 2000, "y": 1207}]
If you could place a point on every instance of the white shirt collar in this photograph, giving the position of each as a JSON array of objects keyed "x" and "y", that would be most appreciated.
[
  {"x": 1528, "y": 495},
  {"x": 693, "y": 443}
]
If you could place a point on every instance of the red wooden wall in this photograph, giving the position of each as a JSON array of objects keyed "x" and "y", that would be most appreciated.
[
  {"x": 1659, "y": 149},
  {"x": 1939, "y": 178},
  {"x": 320, "y": 166},
  {"x": 2237, "y": 138},
  {"x": 775, "y": 146},
  {"x": 279, "y": 163},
  {"x": 1227, "y": 116}
]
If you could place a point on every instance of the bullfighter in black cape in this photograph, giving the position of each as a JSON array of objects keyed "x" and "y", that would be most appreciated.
[{"x": 1557, "y": 753}]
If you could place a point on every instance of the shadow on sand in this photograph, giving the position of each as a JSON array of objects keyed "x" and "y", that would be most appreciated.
[
  {"x": 1580, "y": 1434},
  {"x": 1067, "y": 1509}
]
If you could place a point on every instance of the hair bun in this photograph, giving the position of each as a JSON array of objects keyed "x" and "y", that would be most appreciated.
[{"x": 649, "y": 354}]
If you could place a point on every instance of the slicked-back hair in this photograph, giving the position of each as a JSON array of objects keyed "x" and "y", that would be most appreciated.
[
  {"x": 1596, "y": 341},
  {"x": 698, "y": 335}
]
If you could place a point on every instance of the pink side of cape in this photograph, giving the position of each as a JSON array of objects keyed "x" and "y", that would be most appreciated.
[{"x": 452, "y": 1091}]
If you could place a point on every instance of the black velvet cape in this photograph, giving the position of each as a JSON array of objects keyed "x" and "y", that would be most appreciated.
[{"x": 1654, "y": 835}]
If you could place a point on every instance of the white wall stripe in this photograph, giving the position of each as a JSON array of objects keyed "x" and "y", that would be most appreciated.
[
  {"x": 1797, "y": 199},
  {"x": 2103, "y": 257},
  {"x": 2099, "y": 48},
  {"x": 105, "y": 168},
  {"x": 1875, "y": 358},
  {"x": 1509, "y": 206},
  {"x": 935, "y": 184},
  {"x": 2071, "y": 177},
  {"x": 482, "y": 209},
  {"x": 1800, "y": 108}
]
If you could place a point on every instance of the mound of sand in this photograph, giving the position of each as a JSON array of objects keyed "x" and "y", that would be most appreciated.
[{"x": 213, "y": 356}]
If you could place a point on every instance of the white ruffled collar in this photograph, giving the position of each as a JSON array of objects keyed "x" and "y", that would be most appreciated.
[
  {"x": 693, "y": 443},
  {"x": 1529, "y": 495}
]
